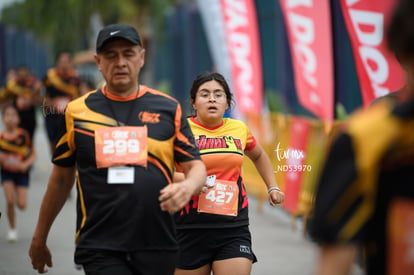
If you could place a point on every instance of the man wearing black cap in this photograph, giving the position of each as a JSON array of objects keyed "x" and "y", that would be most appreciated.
[{"x": 120, "y": 145}]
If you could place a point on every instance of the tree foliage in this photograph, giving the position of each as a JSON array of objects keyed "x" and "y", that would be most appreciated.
[{"x": 66, "y": 23}]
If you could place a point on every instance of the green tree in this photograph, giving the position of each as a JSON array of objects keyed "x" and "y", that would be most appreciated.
[{"x": 65, "y": 23}]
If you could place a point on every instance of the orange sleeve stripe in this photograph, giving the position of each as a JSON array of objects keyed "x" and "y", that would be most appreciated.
[
  {"x": 178, "y": 149},
  {"x": 180, "y": 136},
  {"x": 85, "y": 132},
  {"x": 184, "y": 139}
]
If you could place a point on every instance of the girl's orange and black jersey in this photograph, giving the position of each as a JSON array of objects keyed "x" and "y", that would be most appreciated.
[
  {"x": 366, "y": 191},
  {"x": 14, "y": 150},
  {"x": 125, "y": 217},
  {"x": 222, "y": 151}
]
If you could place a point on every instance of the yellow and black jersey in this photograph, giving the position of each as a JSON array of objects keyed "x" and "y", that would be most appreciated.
[
  {"x": 21, "y": 88},
  {"x": 14, "y": 150},
  {"x": 222, "y": 151},
  {"x": 22, "y": 94},
  {"x": 366, "y": 190},
  {"x": 124, "y": 217},
  {"x": 61, "y": 85}
]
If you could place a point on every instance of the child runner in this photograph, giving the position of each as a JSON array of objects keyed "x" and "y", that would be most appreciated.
[{"x": 16, "y": 157}]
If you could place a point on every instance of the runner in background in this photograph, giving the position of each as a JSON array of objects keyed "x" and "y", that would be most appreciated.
[
  {"x": 16, "y": 157},
  {"x": 365, "y": 196},
  {"x": 213, "y": 229},
  {"x": 62, "y": 85},
  {"x": 5, "y": 97},
  {"x": 24, "y": 91}
]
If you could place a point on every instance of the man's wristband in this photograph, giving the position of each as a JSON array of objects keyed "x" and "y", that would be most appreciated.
[{"x": 273, "y": 188}]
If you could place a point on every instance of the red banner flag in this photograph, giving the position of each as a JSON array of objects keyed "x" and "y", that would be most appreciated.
[
  {"x": 378, "y": 70},
  {"x": 308, "y": 27},
  {"x": 241, "y": 26},
  {"x": 295, "y": 162}
]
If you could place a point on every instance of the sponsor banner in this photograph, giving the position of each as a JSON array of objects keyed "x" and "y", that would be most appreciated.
[
  {"x": 308, "y": 26},
  {"x": 379, "y": 72}
]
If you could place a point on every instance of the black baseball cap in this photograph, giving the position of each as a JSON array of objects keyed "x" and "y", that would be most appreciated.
[{"x": 114, "y": 31}]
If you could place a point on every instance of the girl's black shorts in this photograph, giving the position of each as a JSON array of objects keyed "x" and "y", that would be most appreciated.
[{"x": 199, "y": 247}]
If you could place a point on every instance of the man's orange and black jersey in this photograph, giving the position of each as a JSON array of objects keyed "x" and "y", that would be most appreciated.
[
  {"x": 222, "y": 151},
  {"x": 125, "y": 217},
  {"x": 369, "y": 171},
  {"x": 18, "y": 147},
  {"x": 61, "y": 85}
]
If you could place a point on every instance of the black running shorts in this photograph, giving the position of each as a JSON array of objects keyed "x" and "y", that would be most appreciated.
[
  {"x": 106, "y": 262},
  {"x": 199, "y": 247}
]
